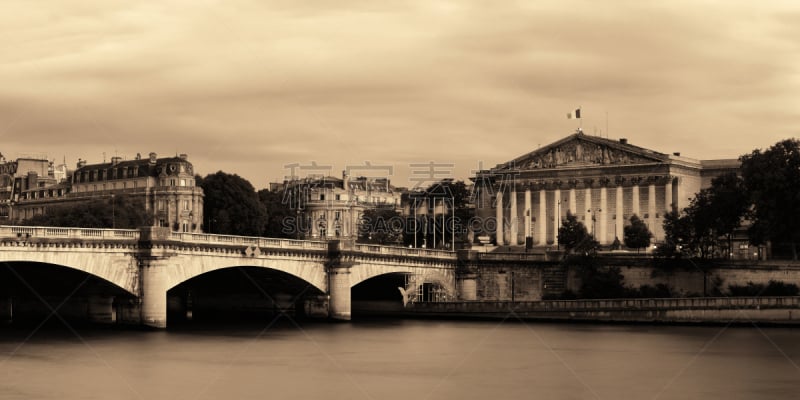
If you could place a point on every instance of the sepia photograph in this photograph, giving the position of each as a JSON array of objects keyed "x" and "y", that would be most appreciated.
[{"x": 277, "y": 199}]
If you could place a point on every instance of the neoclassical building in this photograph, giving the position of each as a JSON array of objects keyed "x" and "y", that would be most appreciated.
[
  {"x": 331, "y": 208},
  {"x": 603, "y": 182},
  {"x": 167, "y": 186}
]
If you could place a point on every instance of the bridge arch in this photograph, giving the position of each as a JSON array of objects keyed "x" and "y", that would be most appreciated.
[
  {"x": 420, "y": 275},
  {"x": 185, "y": 267},
  {"x": 116, "y": 265}
]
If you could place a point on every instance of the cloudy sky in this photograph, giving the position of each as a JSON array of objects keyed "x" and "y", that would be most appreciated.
[{"x": 249, "y": 87}]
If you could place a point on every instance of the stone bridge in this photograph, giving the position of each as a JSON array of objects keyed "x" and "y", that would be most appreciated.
[{"x": 148, "y": 262}]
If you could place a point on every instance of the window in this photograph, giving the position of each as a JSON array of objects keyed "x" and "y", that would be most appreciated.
[
  {"x": 338, "y": 197},
  {"x": 322, "y": 196},
  {"x": 338, "y": 215},
  {"x": 172, "y": 182},
  {"x": 183, "y": 182},
  {"x": 161, "y": 205},
  {"x": 186, "y": 205}
]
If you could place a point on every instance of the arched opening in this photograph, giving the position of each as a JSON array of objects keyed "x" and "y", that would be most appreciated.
[
  {"x": 379, "y": 296},
  {"x": 33, "y": 293},
  {"x": 242, "y": 294}
]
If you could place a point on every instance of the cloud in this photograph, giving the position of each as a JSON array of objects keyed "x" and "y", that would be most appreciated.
[{"x": 249, "y": 86}]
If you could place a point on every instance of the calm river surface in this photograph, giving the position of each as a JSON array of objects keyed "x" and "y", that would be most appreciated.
[{"x": 403, "y": 359}]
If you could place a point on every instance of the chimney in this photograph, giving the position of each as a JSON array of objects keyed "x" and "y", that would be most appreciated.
[
  {"x": 81, "y": 163},
  {"x": 184, "y": 157},
  {"x": 33, "y": 179},
  {"x": 153, "y": 157},
  {"x": 115, "y": 160},
  {"x": 623, "y": 140}
]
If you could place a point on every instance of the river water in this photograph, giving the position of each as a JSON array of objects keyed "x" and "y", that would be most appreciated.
[{"x": 402, "y": 359}]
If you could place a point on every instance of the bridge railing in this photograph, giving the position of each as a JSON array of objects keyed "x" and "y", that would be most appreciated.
[
  {"x": 188, "y": 237},
  {"x": 403, "y": 251},
  {"x": 25, "y": 232}
]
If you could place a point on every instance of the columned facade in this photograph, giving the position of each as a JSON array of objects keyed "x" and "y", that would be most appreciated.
[{"x": 602, "y": 182}]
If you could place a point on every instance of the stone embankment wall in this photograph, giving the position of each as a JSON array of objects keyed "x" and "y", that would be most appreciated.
[
  {"x": 776, "y": 310},
  {"x": 528, "y": 278}
]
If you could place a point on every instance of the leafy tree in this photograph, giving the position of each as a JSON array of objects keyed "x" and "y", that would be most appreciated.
[
  {"x": 231, "y": 205},
  {"x": 573, "y": 235},
  {"x": 281, "y": 221},
  {"x": 602, "y": 283},
  {"x": 678, "y": 236},
  {"x": 715, "y": 212},
  {"x": 771, "y": 178},
  {"x": 119, "y": 211},
  {"x": 381, "y": 226},
  {"x": 636, "y": 235}
]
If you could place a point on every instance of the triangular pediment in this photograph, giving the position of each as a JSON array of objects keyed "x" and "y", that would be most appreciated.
[{"x": 580, "y": 150}]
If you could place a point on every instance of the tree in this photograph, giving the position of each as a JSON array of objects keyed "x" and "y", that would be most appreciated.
[
  {"x": 231, "y": 205},
  {"x": 281, "y": 221},
  {"x": 636, "y": 235},
  {"x": 678, "y": 236},
  {"x": 381, "y": 226},
  {"x": 573, "y": 235},
  {"x": 771, "y": 179}
]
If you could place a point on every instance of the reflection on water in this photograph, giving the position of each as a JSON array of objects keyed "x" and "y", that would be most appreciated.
[{"x": 402, "y": 359}]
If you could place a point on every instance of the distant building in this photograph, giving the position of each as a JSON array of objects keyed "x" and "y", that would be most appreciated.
[
  {"x": 29, "y": 174},
  {"x": 166, "y": 185},
  {"x": 329, "y": 208},
  {"x": 603, "y": 182}
]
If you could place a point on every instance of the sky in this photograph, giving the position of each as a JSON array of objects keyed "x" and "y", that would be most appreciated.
[{"x": 253, "y": 87}]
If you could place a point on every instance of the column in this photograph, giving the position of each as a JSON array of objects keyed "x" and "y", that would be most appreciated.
[
  {"x": 678, "y": 194},
  {"x": 635, "y": 199},
  {"x": 557, "y": 214},
  {"x": 589, "y": 211},
  {"x": 651, "y": 204},
  {"x": 339, "y": 290},
  {"x": 499, "y": 219},
  {"x": 602, "y": 236},
  {"x": 154, "y": 295},
  {"x": 514, "y": 220},
  {"x": 573, "y": 204},
  {"x": 620, "y": 211},
  {"x": 542, "y": 217},
  {"x": 669, "y": 201},
  {"x": 527, "y": 214},
  {"x": 100, "y": 309}
]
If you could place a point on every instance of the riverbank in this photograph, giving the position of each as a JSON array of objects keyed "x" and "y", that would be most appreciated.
[{"x": 716, "y": 310}]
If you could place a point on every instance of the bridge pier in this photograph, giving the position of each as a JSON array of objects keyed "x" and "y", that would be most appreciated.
[
  {"x": 101, "y": 309},
  {"x": 154, "y": 294},
  {"x": 340, "y": 304}
]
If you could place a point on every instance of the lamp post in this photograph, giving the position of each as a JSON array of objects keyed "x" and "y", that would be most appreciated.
[{"x": 113, "y": 212}]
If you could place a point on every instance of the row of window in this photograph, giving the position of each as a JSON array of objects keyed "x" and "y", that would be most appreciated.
[
  {"x": 373, "y": 199},
  {"x": 43, "y": 194},
  {"x": 185, "y": 205},
  {"x": 132, "y": 184},
  {"x": 101, "y": 174}
]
